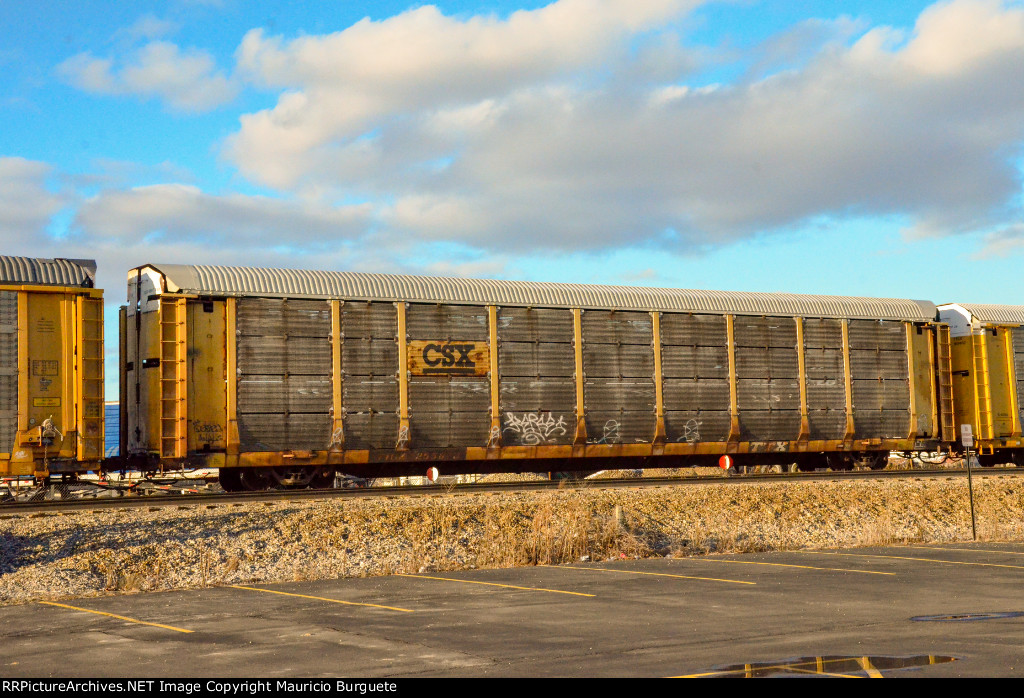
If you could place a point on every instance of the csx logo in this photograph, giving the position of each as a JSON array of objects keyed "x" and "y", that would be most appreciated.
[{"x": 448, "y": 355}]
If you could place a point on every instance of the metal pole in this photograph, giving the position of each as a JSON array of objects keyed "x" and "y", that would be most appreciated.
[{"x": 970, "y": 491}]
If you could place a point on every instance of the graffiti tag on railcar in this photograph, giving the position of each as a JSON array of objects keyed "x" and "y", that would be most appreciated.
[
  {"x": 769, "y": 446},
  {"x": 208, "y": 429},
  {"x": 449, "y": 358},
  {"x": 210, "y": 434},
  {"x": 691, "y": 431},
  {"x": 535, "y": 429},
  {"x": 611, "y": 433}
]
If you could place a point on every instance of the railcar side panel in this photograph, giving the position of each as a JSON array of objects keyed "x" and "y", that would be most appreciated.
[
  {"x": 536, "y": 365},
  {"x": 8, "y": 372},
  {"x": 1000, "y": 369},
  {"x": 207, "y": 376},
  {"x": 964, "y": 377},
  {"x": 89, "y": 383},
  {"x": 142, "y": 414},
  {"x": 767, "y": 378},
  {"x": 449, "y": 399},
  {"x": 618, "y": 366},
  {"x": 1017, "y": 347},
  {"x": 695, "y": 369},
  {"x": 924, "y": 382},
  {"x": 369, "y": 374},
  {"x": 879, "y": 368},
  {"x": 284, "y": 375},
  {"x": 826, "y": 389}
]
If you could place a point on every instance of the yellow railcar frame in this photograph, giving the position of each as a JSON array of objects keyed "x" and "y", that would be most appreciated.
[{"x": 79, "y": 416}]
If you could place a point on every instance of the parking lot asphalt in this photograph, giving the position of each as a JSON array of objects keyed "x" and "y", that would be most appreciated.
[{"x": 938, "y": 610}]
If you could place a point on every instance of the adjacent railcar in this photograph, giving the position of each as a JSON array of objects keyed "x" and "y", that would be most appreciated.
[
  {"x": 282, "y": 377},
  {"x": 988, "y": 376},
  {"x": 51, "y": 367}
]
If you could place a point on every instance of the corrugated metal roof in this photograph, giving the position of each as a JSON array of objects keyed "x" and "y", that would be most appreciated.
[
  {"x": 47, "y": 272},
  {"x": 995, "y": 313},
  {"x": 251, "y": 281}
]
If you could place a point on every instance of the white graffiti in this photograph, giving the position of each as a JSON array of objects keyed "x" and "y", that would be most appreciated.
[
  {"x": 691, "y": 431},
  {"x": 495, "y": 438},
  {"x": 338, "y": 437},
  {"x": 611, "y": 433},
  {"x": 403, "y": 437},
  {"x": 535, "y": 429}
]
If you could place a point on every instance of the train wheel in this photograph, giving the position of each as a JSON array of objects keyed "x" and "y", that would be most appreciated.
[
  {"x": 323, "y": 479},
  {"x": 230, "y": 479},
  {"x": 809, "y": 462},
  {"x": 874, "y": 460},
  {"x": 840, "y": 461},
  {"x": 295, "y": 477},
  {"x": 256, "y": 479},
  {"x": 987, "y": 460}
]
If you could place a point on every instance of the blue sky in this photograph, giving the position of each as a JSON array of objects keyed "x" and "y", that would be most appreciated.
[{"x": 861, "y": 148}]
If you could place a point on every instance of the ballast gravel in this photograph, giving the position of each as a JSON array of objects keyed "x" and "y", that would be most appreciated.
[{"x": 98, "y": 552}]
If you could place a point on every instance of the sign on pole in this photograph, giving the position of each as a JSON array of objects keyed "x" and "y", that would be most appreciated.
[{"x": 966, "y": 435}]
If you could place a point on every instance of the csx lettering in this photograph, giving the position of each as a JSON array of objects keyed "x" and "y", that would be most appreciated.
[{"x": 445, "y": 355}]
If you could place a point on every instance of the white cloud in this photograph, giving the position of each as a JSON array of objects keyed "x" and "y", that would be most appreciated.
[
  {"x": 344, "y": 84},
  {"x": 534, "y": 132},
  {"x": 91, "y": 74},
  {"x": 522, "y": 133},
  {"x": 1003, "y": 242},
  {"x": 176, "y": 223},
  {"x": 183, "y": 213},
  {"x": 187, "y": 81},
  {"x": 26, "y": 205},
  {"x": 146, "y": 27},
  {"x": 955, "y": 37}
]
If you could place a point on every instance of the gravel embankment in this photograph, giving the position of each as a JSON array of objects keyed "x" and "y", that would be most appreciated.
[{"x": 118, "y": 551}]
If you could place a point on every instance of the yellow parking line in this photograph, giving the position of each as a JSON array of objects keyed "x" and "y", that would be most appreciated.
[
  {"x": 653, "y": 574},
  {"x": 826, "y": 673},
  {"x": 918, "y": 559},
  {"x": 321, "y": 598},
  {"x": 493, "y": 584},
  {"x": 803, "y": 567},
  {"x": 866, "y": 665},
  {"x": 787, "y": 667},
  {"x": 966, "y": 550},
  {"x": 112, "y": 615}
]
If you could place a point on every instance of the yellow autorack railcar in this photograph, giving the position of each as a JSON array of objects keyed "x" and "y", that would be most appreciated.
[
  {"x": 51, "y": 367},
  {"x": 988, "y": 376},
  {"x": 281, "y": 378}
]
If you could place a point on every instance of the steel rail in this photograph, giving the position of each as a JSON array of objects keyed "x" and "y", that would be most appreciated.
[{"x": 192, "y": 501}]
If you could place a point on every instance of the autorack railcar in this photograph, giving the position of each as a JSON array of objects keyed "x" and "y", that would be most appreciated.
[
  {"x": 51, "y": 367},
  {"x": 283, "y": 377},
  {"x": 988, "y": 376}
]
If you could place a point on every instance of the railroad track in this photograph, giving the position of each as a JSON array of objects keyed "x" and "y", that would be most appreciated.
[{"x": 213, "y": 500}]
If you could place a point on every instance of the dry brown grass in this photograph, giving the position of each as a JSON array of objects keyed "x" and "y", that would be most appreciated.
[{"x": 131, "y": 551}]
